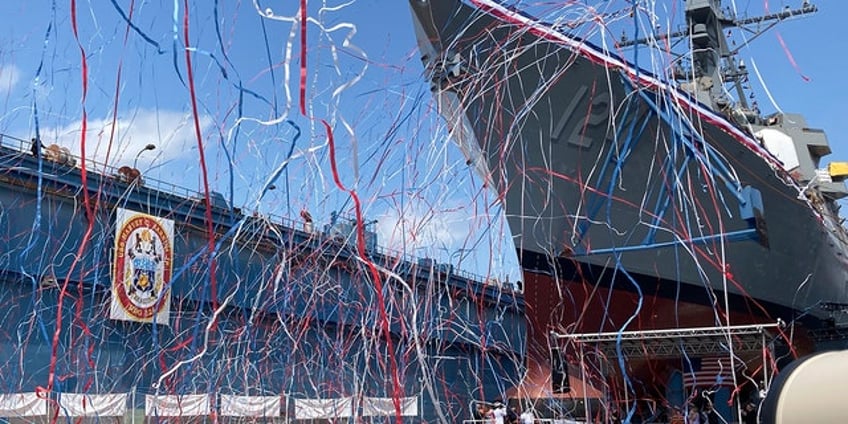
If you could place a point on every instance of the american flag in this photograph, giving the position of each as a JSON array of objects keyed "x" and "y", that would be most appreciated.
[{"x": 706, "y": 372}]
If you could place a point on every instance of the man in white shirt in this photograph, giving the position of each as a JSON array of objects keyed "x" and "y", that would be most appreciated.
[
  {"x": 499, "y": 413},
  {"x": 527, "y": 417}
]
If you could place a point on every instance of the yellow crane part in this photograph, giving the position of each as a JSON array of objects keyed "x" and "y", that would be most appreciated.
[{"x": 838, "y": 170}]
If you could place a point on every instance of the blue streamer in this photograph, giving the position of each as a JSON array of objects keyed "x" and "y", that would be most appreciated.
[{"x": 137, "y": 30}]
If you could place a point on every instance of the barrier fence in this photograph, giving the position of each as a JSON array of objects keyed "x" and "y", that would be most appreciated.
[{"x": 37, "y": 407}]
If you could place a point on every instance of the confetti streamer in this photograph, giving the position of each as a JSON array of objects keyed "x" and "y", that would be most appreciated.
[{"x": 298, "y": 210}]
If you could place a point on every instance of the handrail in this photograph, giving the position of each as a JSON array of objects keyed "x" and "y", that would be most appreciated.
[{"x": 110, "y": 171}]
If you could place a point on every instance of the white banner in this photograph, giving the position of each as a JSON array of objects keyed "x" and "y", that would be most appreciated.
[
  {"x": 85, "y": 405},
  {"x": 385, "y": 407},
  {"x": 22, "y": 405},
  {"x": 176, "y": 405},
  {"x": 141, "y": 272},
  {"x": 250, "y": 406},
  {"x": 305, "y": 409}
]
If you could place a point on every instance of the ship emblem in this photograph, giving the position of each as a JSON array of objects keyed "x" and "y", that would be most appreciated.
[
  {"x": 144, "y": 259},
  {"x": 143, "y": 266}
]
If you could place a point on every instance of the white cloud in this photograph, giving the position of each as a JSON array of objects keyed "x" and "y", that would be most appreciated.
[
  {"x": 419, "y": 230},
  {"x": 9, "y": 77},
  {"x": 453, "y": 235},
  {"x": 172, "y": 132}
]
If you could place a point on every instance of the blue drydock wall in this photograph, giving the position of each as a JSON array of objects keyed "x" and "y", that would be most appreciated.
[{"x": 297, "y": 312}]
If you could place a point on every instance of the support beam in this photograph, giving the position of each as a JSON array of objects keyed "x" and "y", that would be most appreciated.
[{"x": 674, "y": 342}]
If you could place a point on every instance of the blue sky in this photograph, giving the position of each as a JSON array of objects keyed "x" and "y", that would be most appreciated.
[
  {"x": 363, "y": 76},
  {"x": 820, "y": 56}
]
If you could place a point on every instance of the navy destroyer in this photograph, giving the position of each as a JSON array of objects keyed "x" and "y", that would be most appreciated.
[
  {"x": 660, "y": 182},
  {"x": 641, "y": 199}
]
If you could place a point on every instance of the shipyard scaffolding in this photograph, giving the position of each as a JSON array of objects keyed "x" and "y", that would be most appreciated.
[{"x": 740, "y": 352}]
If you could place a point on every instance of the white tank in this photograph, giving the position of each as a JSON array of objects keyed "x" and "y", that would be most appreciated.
[{"x": 813, "y": 389}]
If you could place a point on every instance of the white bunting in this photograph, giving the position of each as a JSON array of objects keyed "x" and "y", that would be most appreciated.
[
  {"x": 176, "y": 405},
  {"x": 22, "y": 405},
  {"x": 307, "y": 409},
  {"x": 86, "y": 405},
  {"x": 385, "y": 407},
  {"x": 250, "y": 406}
]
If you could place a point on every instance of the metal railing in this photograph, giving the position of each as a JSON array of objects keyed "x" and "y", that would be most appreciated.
[{"x": 24, "y": 147}]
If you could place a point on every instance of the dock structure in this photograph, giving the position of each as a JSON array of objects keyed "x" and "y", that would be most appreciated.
[
  {"x": 113, "y": 286},
  {"x": 712, "y": 356}
]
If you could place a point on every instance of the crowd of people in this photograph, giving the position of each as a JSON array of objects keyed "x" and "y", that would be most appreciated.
[
  {"x": 704, "y": 415},
  {"x": 498, "y": 413}
]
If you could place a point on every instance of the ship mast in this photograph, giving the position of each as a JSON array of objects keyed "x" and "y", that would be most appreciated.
[{"x": 714, "y": 63}]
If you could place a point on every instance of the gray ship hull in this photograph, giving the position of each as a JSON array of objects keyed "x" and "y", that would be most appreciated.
[{"x": 599, "y": 164}]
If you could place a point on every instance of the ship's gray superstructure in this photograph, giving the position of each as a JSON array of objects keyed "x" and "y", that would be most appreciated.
[{"x": 647, "y": 177}]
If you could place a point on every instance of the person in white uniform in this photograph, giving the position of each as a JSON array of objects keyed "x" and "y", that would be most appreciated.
[
  {"x": 499, "y": 413},
  {"x": 527, "y": 417}
]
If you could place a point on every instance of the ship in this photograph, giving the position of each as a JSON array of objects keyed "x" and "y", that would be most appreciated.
[{"x": 642, "y": 199}]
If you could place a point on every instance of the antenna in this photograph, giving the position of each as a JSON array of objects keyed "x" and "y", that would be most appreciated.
[{"x": 712, "y": 58}]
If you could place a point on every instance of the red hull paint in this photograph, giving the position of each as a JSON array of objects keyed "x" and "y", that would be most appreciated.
[{"x": 583, "y": 307}]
